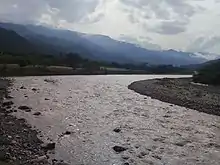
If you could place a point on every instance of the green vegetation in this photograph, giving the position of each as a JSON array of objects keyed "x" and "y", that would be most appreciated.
[
  {"x": 209, "y": 74},
  {"x": 17, "y": 64}
]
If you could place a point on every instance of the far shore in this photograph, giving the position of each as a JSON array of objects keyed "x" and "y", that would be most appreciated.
[{"x": 182, "y": 92}]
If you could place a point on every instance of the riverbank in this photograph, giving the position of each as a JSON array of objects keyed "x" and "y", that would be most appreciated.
[
  {"x": 181, "y": 92},
  {"x": 19, "y": 143}
]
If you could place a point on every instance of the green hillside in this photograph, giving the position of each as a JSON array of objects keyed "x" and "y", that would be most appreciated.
[
  {"x": 10, "y": 41},
  {"x": 209, "y": 74}
]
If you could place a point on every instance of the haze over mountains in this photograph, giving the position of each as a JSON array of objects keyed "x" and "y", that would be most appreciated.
[{"x": 40, "y": 39}]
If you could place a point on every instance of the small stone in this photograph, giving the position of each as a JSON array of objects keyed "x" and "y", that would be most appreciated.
[
  {"x": 166, "y": 116},
  {"x": 181, "y": 143},
  {"x": 125, "y": 157},
  {"x": 137, "y": 145},
  {"x": 25, "y": 96},
  {"x": 13, "y": 142},
  {"x": 9, "y": 97},
  {"x": 22, "y": 87},
  {"x": 17, "y": 136},
  {"x": 46, "y": 99},
  {"x": 126, "y": 163},
  {"x": 119, "y": 149},
  {"x": 24, "y": 108},
  {"x": 15, "y": 110},
  {"x": 156, "y": 157},
  {"x": 48, "y": 146},
  {"x": 34, "y": 89},
  {"x": 37, "y": 114},
  {"x": 7, "y": 103},
  {"x": 67, "y": 133},
  {"x": 142, "y": 154},
  {"x": 117, "y": 130}
]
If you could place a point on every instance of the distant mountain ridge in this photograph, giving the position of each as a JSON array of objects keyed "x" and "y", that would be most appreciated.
[
  {"x": 10, "y": 41},
  {"x": 98, "y": 47}
]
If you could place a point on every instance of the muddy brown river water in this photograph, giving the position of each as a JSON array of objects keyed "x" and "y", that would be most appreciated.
[{"x": 91, "y": 107}]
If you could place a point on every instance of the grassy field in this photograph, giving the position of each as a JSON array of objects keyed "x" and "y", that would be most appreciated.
[{"x": 9, "y": 70}]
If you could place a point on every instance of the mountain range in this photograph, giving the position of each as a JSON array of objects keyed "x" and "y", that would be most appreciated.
[{"x": 40, "y": 39}]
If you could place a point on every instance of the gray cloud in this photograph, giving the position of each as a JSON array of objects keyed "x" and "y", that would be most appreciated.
[
  {"x": 21, "y": 10},
  {"x": 73, "y": 10},
  {"x": 205, "y": 44},
  {"x": 173, "y": 15},
  {"x": 169, "y": 27},
  {"x": 32, "y": 10}
]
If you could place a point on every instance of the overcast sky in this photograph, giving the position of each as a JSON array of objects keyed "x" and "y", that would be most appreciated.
[{"x": 170, "y": 24}]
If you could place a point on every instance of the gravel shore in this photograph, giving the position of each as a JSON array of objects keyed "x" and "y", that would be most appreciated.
[
  {"x": 181, "y": 92},
  {"x": 19, "y": 143}
]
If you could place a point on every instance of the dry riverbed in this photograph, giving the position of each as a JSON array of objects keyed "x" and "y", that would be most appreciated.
[
  {"x": 181, "y": 92},
  {"x": 97, "y": 120},
  {"x": 19, "y": 142}
]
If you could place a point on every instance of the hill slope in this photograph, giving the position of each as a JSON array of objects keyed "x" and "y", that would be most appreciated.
[
  {"x": 10, "y": 41},
  {"x": 209, "y": 73},
  {"x": 98, "y": 47}
]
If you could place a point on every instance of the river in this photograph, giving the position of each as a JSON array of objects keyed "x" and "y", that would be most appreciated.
[{"x": 91, "y": 107}]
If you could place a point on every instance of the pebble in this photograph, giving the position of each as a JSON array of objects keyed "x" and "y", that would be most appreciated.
[
  {"x": 34, "y": 89},
  {"x": 67, "y": 133},
  {"x": 9, "y": 97},
  {"x": 22, "y": 87},
  {"x": 125, "y": 163},
  {"x": 182, "y": 143},
  {"x": 25, "y": 108},
  {"x": 156, "y": 157},
  {"x": 125, "y": 157},
  {"x": 119, "y": 149},
  {"x": 37, "y": 114},
  {"x": 142, "y": 154},
  {"x": 117, "y": 130}
]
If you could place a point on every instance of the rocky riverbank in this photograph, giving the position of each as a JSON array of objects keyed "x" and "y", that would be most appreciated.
[
  {"x": 181, "y": 92},
  {"x": 19, "y": 143}
]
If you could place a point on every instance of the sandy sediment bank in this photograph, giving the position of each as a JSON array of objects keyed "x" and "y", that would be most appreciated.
[{"x": 181, "y": 92}]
